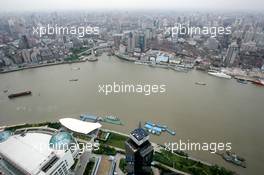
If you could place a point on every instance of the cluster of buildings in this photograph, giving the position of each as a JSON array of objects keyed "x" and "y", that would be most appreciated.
[
  {"x": 242, "y": 48},
  {"x": 43, "y": 150},
  {"x": 48, "y": 151},
  {"x": 133, "y": 34}
]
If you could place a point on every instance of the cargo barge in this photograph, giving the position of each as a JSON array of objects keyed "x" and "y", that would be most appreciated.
[
  {"x": 19, "y": 94},
  {"x": 112, "y": 120},
  {"x": 235, "y": 159}
]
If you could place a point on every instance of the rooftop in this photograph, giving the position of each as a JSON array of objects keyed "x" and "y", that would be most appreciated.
[
  {"x": 79, "y": 126},
  {"x": 139, "y": 133},
  {"x": 34, "y": 145},
  {"x": 61, "y": 140}
]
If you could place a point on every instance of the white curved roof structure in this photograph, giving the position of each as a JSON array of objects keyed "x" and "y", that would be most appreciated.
[{"x": 79, "y": 126}]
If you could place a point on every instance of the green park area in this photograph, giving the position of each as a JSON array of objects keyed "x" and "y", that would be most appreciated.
[
  {"x": 106, "y": 150},
  {"x": 89, "y": 168},
  {"x": 116, "y": 140},
  {"x": 187, "y": 165}
]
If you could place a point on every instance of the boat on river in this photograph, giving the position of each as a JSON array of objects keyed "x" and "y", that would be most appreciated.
[
  {"x": 235, "y": 159},
  {"x": 20, "y": 94},
  {"x": 75, "y": 79},
  {"x": 180, "y": 69},
  {"x": 200, "y": 83},
  {"x": 219, "y": 74},
  {"x": 259, "y": 82},
  {"x": 92, "y": 59},
  {"x": 242, "y": 81},
  {"x": 112, "y": 120},
  {"x": 76, "y": 68}
]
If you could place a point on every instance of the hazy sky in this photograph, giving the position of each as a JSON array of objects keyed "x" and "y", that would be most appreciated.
[{"x": 21, "y": 5}]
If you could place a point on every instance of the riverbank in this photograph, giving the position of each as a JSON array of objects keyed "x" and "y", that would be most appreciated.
[
  {"x": 41, "y": 65},
  {"x": 172, "y": 66}
]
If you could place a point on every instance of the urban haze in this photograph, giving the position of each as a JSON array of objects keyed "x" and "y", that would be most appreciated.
[{"x": 149, "y": 86}]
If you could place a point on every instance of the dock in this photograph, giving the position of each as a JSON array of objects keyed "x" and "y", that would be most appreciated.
[
  {"x": 89, "y": 118},
  {"x": 157, "y": 129}
]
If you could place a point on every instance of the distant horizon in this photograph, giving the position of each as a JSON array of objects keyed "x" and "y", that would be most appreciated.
[
  {"x": 134, "y": 10},
  {"x": 131, "y": 5}
]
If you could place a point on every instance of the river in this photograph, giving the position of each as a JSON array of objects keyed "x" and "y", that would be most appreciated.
[{"x": 221, "y": 111}]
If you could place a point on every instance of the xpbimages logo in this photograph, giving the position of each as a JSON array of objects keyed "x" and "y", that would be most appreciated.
[
  {"x": 146, "y": 89},
  {"x": 182, "y": 29},
  {"x": 79, "y": 31}
]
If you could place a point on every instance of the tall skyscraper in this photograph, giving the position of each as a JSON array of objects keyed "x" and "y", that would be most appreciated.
[
  {"x": 117, "y": 40},
  {"x": 131, "y": 42},
  {"x": 232, "y": 53},
  {"x": 25, "y": 44},
  {"x": 142, "y": 42},
  {"x": 139, "y": 152}
]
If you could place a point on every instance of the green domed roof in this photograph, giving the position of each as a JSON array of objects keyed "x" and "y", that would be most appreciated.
[{"x": 61, "y": 140}]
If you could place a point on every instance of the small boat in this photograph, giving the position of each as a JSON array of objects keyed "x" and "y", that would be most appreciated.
[
  {"x": 200, "y": 83},
  {"x": 19, "y": 94},
  {"x": 235, "y": 159},
  {"x": 112, "y": 119},
  {"x": 76, "y": 68},
  {"x": 76, "y": 79},
  {"x": 180, "y": 69},
  {"x": 219, "y": 74},
  {"x": 92, "y": 59},
  {"x": 242, "y": 81},
  {"x": 258, "y": 82},
  {"x": 5, "y": 91}
]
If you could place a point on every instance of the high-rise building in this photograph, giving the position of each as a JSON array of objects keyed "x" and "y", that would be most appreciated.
[
  {"x": 25, "y": 43},
  {"x": 232, "y": 53},
  {"x": 37, "y": 152},
  {"x": 117, "y": 40},
  {"x": 131, "y": 42},
  {"x": 139, "y": 153},
  {"x": 249, "y": 35},
  {"x": 142, "y": 42}
]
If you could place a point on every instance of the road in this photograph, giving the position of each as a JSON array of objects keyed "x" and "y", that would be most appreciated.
[
  {"x": 81, "y": 165},
  {"x": 118, "y": 157}
]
